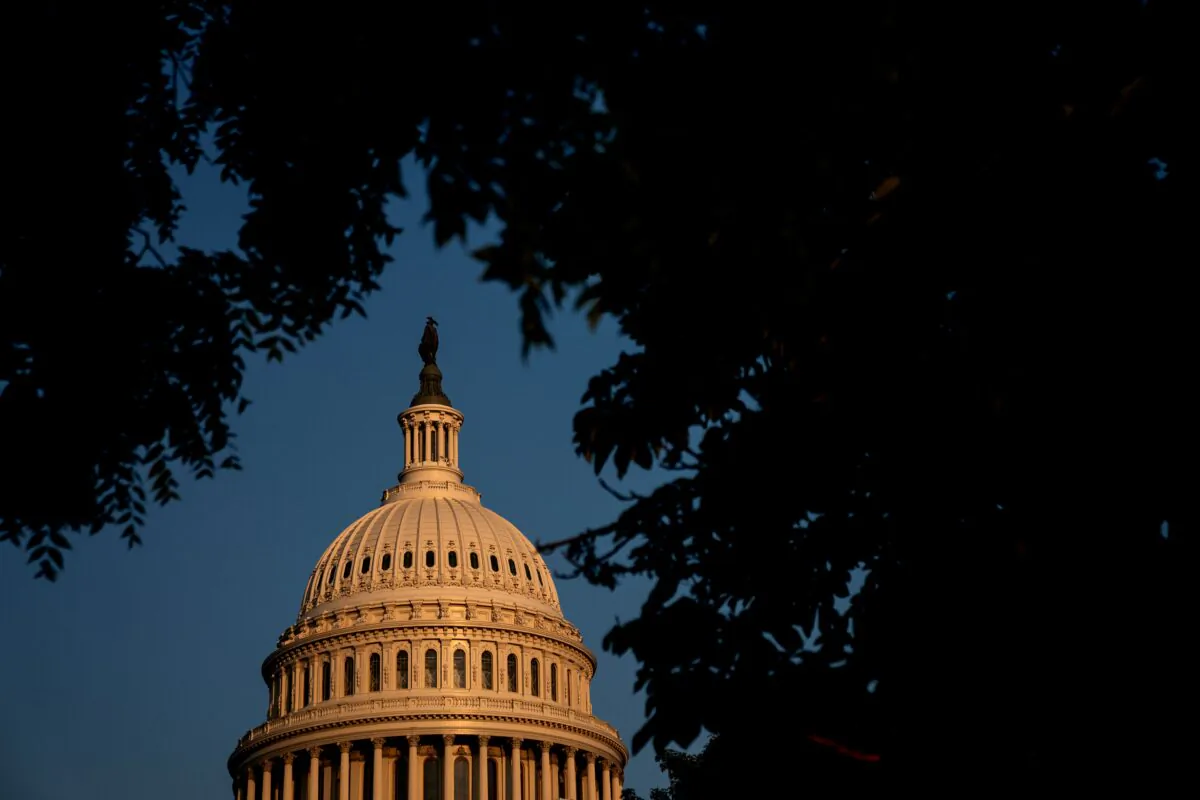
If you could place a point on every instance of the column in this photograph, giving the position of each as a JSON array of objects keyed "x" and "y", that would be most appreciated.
[
  {"x": 447, "y": 767},
  {"x": 453, "y": 445},
  {"x": 617, "y": 776},
  {"x": 482, "y": 794},
  {"x": 314, "y": 773},
  {"x": 516, "y": 770},
  {"x": 413, "y": 774},
  {"x": 605, "y": 781},
  {"x": 425, "y": 428},
  {"x": 288, "y": 789},
  {"x": 344, "y": 771},
  {"x": 547, "y": 794},
  {"x": 250, "y": 786},
  {"x": 266, "y": 779},
  {"x": 589, "y": 793},
  {"x": 376, "y": 770},
  {"x": 570, "y": 779}
]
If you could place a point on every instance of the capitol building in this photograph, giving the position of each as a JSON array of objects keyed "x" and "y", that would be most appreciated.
[{"x": 430, "y": 659}]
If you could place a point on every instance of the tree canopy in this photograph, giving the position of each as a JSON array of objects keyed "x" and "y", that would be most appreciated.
[{"x": 905, "y": 282}]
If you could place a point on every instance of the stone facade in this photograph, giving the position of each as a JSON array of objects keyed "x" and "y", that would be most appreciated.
[{"x": 430, "y": 659}]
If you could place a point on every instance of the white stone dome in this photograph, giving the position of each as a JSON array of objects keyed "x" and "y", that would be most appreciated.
[
  {"x": 430, "y": 657},
  {"x": 430, "y": 542}
]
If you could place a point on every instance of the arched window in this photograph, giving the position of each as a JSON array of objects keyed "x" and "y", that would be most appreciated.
[
  {"x": 534, "y": 677},
  {"x": 348, "y": 676},
  {"x": 402, "y": 669},
  {"x": 306, "y": 698},
  {"x": 485, "y": 668},
  {"x": 554, "y": 682},
  {"x": 460, "y": 669},
  {"x": 326, "y": 680},
  {"x": 495, "y": 564},
  {"x": 474, "y": 560},
  {"x": 452, "y": 559},
  {"x": 288, "y": 693},
  {"x": 431, "y": 669},
  {"x": 387, "y": 562},
  {"x": 512, "y": 673},
  {"x": 430, "y": 558},
  {"x": 407, "y": 562},
  {"x": 375, "y": 670}
]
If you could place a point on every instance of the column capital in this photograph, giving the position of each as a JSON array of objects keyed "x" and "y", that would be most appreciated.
[
  {"x": 378, "y": 741},
  {"x": 516, "y": 743},
  {"x": 571, "y": 751},
  {"x": 413, "y": 741},
  {"x": 250, "y": 771},
  {"x": 344, "y": 747},
  {"x": 289, "y": 757},
  {"x": 483, "y": 741},
  {"x": 545, "y": 746},
  {"x": 447, "y": 739},
  {"x": 590, "y": 756},
  {"x": 604, "y": 763},
  {"x": 314, "y": 751},
  {"x": 266, "y": 763}
]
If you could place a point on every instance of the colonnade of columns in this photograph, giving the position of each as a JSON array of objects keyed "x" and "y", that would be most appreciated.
[
  {"x": 430, "y": 441},
  {"x": 457, "y": 768}
]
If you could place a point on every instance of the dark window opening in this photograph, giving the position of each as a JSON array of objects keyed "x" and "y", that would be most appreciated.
[
  {"x": 431, "y": 669},
  {"x": 528, "y": 574},
  {"x": 554, "y": 682},
  {"x": 474, "y": 560},
  {"x": 452, "y": 558},
  {"x": 407, "y": 562},
  {"x": 534, "y": 678},
  {"x": 366, "y": 565},
  {"x": 375, "y": 672},
  {"x": 512, "y": 673},
  {"x": 430, "y": 558},
  {"x": 402, "y": 669},
  {"x": 387, "y": 561},
  {"x": 346, "y": 570},
  {"x": 495, "y": 564},
  {"x": 326, "y": 680},
  {"x": 460, "y": 669},
  {"x": 512, "y": 566},
  {"x": 486, "y": 667},
  {"x": 348, "y": 676}
]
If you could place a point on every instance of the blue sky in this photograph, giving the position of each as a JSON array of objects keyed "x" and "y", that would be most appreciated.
[{"x": 135, "y": 673}]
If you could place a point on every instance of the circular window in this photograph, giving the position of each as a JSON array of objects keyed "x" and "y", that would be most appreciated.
[
  {"x": 474, "y": 560},
  {"x": 452, "y": 559},
  {"x": 387, "y": 561},
  {"x": 430, "y": 558},
  {"x": 512, "y": 566},
  {"x": 495, "y": 564},
  {"x": 407, "y": 562}
]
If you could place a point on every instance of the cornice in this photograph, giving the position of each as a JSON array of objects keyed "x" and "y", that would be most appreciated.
[{"x": 249, "y": 750}]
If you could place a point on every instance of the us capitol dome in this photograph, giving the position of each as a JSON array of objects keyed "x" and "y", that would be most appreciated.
[{"x": 430, "y": 659}]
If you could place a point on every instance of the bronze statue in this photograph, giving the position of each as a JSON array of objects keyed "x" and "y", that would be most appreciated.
[{"x": 429, "y": 342}]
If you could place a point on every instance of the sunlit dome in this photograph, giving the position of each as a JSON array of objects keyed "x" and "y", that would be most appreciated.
[{"x": 430, "y": 658}]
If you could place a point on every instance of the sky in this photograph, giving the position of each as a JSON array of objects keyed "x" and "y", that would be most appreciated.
[{"x": 135, "y": 673}]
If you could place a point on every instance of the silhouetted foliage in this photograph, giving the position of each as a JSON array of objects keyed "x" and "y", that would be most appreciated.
[{"x": 906, "y": 283}]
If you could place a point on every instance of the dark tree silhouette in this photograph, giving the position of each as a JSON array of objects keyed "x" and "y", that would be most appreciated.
[{"x": 907, "y": 286}]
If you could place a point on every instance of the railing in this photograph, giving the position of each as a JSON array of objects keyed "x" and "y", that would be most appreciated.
[{"x": 366, "y": 708}]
